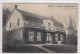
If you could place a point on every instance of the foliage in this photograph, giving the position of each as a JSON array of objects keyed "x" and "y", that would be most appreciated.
[
  {"x": 6, "y": 14},
  {"x": 72, "y": 39}
]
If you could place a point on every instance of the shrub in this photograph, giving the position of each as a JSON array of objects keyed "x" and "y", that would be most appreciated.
[{"x": 72, "y": 39}]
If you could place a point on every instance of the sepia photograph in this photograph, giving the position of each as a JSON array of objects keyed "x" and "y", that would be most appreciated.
[{"x": 39, "y": 27}]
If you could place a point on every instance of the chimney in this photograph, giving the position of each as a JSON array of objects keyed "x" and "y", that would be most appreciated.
[
  {"x": 15, "y": 6},
  {"x": 51, "y": 16}
]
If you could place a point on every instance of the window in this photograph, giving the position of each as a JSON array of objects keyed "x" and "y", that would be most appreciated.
[
  {"x": 18, "y": 22},
  {"x": 17, "y": 35},
  {"x": 38, "y": 21},
  {"x": 10, "y": 24},
  {"x": 49, "y": 25},
  {"x": 49, "y": 38},
  {"x": 38, "y": 36},
  {"x": 20, "y": 32},
  {"x": 31, "y": 36},
  {"x": 56, "y": 37},
  {"x": 61, "y": 38}
]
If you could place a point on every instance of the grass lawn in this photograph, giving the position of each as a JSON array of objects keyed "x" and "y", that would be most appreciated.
[
  {"x": 22, "y": 49},
  {"x": 62, "y": 48}
]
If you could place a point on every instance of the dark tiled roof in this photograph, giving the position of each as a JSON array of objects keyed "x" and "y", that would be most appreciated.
[
  {"x": 57, "y": 23},
  {"x": 24, "y": 13},
  {"x": 28, "y": 14}
]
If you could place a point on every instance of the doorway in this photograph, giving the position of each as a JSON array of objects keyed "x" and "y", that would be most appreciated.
[
  {"x": 58, "y": 38},
  {"x": 49, "y": 38}
]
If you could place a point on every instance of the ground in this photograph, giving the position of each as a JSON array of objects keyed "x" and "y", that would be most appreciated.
[
  {"x": 22, "y": 49},
  {"x": 62, "y": 48},
  {"x": 41, "y": 48}
]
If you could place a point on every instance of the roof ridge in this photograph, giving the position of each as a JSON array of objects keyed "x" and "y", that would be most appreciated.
[
  {"x": 57, "y": 23},
  {"x": 10, "y": 15},
  {"x": 34, "y": 14}
]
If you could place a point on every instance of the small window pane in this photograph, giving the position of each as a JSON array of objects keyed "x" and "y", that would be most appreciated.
[
  {"x": 31, "y": 36},
  {"x": 10, "y": 24},
  {"x": 18, "y": 22},
  {"x": 56, "y": 37},
  {"x": 61, "y": 38},
  {"x": 49, "y": 25},
  {"x": 38, "y": 36},
  {"x": 49, "y": 37}
]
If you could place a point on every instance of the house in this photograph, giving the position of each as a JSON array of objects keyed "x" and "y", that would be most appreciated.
[{"x": 29, "y": 28}]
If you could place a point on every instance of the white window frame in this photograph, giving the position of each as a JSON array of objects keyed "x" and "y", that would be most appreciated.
[
  {"x": 18, "y": 22},
  {"x": 49, "y": 37},
  {"x": 38, "y": 36},
  {"x": 61, "y": 38},
  {"x": 10, "y": 25},
  {"x": 31, "y": 36},
  {"x": 49, "y": 26},
  {"x": 56, "y": 37}
]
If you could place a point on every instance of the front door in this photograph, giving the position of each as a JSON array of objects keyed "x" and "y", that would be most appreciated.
[
  {"x": 59, "y": 38},
  {"x": 49, "y": 38}
]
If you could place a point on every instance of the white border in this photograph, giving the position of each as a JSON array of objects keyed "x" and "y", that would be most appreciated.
[
  {"x": 39, "y": 1},
  {"x": 0, "y": 27},
  {"x": 78, "y": 27}
]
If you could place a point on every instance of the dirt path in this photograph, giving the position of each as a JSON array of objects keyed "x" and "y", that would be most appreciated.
[{"x": 45, "y": 49}]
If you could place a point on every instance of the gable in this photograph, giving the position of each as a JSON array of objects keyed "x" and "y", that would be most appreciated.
[
  {"x": 13, "y": 20},
  {"x": 47, "y": 22}
]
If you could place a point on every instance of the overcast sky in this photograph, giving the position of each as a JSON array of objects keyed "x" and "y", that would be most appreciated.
[{"x": 60, "y": 12}]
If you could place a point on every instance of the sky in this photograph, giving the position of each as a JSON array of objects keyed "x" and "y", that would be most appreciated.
[{"x": 60, "y": 12}]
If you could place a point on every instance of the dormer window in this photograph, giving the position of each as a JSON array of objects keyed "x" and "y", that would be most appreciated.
[
  {"x": 18, "y": 22},
  {"x": 10, "y": 24},
  {"x": 49, "y": 25}
]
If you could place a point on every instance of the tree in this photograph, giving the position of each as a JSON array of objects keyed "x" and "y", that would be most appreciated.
[
  {"x": 6, "y": 14},
  {"x": 72, "y": 33}
]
